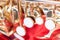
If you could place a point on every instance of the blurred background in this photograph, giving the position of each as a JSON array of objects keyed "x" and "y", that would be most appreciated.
[{"x": 42, "y": 0}]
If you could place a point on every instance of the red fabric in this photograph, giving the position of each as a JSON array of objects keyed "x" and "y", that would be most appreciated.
[
  {"x": 36, "y": 30},
  {"x": 42, "y": 39},
  {"x": 12, "y": 37},
  {"x": 53, "y": 36},
  {"x": 3, "y": 37}
]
